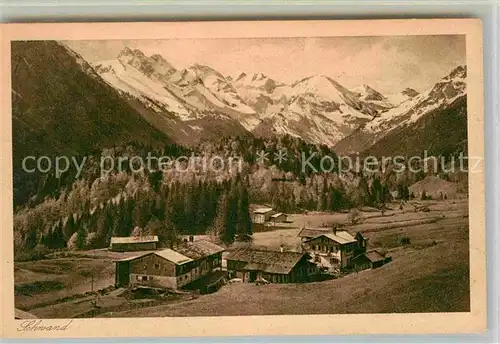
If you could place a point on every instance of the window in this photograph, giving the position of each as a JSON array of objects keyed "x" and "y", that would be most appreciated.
[
  {"x": 138, "y": 278},
  {"x": 144, "y": 278},
  {"x": 157, "y": 266},
  {"x": 150, "y": 278},
  {"x": 145, "y": 267}
]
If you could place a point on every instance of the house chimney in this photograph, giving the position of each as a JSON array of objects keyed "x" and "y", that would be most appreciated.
[
  {"x": 191, "y": 238},
  {"x": 281, "y": 248}
]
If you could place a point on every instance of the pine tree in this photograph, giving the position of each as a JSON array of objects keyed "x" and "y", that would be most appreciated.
[
  {"x": 69, "y": 227},
  {"x": 424, "y": 195},
  {"x": 80, "y": 237},
  {"x": 322, "y": 198},
  {"x": 222, "y": 227},
  {"x": 244, "y": 225}
]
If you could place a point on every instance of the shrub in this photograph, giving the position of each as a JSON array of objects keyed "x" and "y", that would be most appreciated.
[
  {"x": 354, "y": 216},
  {"x": 37, "y": 253},
  {"x": 405, "y": 240}
]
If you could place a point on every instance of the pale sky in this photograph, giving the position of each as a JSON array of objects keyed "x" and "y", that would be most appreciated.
[{"x": 388, "y": 64}]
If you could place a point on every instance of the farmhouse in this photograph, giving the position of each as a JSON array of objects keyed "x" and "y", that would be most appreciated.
[
  {"x": 278, "y": 217},
  {"x": 334, "y": 250},
  {"x": 262, "y": 215},
  {"x": 273, "y": 266},
  {"x": 138, "y": 243},
  {"x": 170, "y": 268}
]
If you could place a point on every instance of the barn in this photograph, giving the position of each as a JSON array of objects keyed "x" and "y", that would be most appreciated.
[
  {"x": 278, "y": 217},
  {"x": 170, "y": 268},
  {"x": 138, "y": 243},
  {"x": 262, "y": 215},
  {"x": 273, "y": 266},
  {"x": 369, "y": 260}
]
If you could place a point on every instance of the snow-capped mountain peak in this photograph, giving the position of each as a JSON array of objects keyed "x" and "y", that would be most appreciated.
[
  {"x": 155, "y": 66},
  {"x": 256, "y": 81},
  {"x": 444, "y": 93},
  {"x": 368, "y": 93},
  {"x": 316, "y": 108}
]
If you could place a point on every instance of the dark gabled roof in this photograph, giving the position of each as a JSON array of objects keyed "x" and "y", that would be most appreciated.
[
  {"x": 267, "y": 261},
  {"x": 374, "y": 256},
  {"x": 311, "y": 233},
  {"x": 359, "y": 234},
  {"x": 198, "y": 249}
]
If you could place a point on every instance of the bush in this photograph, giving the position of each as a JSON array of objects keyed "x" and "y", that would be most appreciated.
[
  {"x": 354, "y": 216},
  {"x": 405, "y": 241},
  {"x": 91, "y": 240},
  {"x": 39, "y": 252}
]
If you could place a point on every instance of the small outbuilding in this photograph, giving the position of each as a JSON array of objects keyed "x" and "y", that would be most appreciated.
[
  {"x": 134, "y": 243},
  {"x": 278, "y": 218},
  {"x": 369, "y": 260},
  {"x": 262, "y": 215}
]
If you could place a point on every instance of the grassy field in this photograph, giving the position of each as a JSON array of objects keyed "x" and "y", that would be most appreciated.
[
  {"x": 42, "y": 282},
  {"x": 431, "y": 274}
]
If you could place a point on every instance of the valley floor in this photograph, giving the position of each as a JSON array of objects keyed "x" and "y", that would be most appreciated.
[{"x": 431, "y": 274}]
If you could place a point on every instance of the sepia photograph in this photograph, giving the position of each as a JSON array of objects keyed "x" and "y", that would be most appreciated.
[{"x": 223, "y": 176}]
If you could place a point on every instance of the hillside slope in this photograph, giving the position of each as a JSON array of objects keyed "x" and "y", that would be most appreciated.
[
  {"x": 441, "y": 132},
  {"x": 60, "y": 106}
]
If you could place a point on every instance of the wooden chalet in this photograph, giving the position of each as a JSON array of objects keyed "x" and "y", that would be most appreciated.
[
  {"x": 273, "y": 266},
  {"x": 170, "y": 268},
  {"x": 333, "y": 250}
]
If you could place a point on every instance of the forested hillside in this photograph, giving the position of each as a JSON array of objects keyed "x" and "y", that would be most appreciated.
[{"x": 60, "y": 106}]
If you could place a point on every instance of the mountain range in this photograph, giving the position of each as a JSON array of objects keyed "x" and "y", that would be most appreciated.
[{"x": 55, "y": 87}]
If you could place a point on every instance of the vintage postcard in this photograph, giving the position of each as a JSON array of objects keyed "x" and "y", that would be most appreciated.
[{"x": 242, "y": 178}]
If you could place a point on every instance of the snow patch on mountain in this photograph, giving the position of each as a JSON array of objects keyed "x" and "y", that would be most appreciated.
[
  {"x": 131, "y": 81},
  {"x": 441, "y": 95},
  {"x": 316, "y": 108},
  {"x": 400, "y": 97},
  {"x": 370, "y": 95}
]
